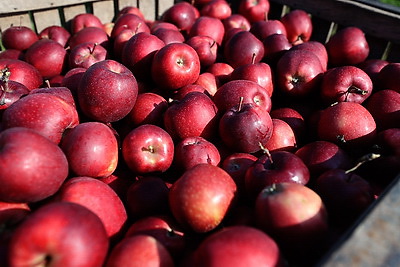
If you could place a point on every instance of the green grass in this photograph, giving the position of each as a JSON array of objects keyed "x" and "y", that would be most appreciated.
[{"x": 391, "y": 2}]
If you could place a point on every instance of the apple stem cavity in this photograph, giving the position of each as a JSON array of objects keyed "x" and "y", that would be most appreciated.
[
  {"x": 271, "y": 190},
  {"x": 356, "y": 90},
  {"x": 91, "y": 50},
  {"x": 148, "y": 149},
  {"x": 362, "y": 160}
]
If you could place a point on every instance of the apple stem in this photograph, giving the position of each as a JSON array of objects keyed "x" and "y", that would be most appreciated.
[
  {"x": 362, "y": 160},
  {"x": 253, "y": 58},
  {"x": 137, "y": 27},
  {"x": 341, "y": 139},
  {"x": 5, "y": 75},
  {"x": 47, "y": 83},
  {"x": 356, "y": 90},
  {"x": 149, "y": 149},
  {"x": 266, "y": 151},
  {"x": 3, "y": 96},
  {"x": 240, "y": 103},
  {"x": 213, "y": 43},
  {"x": 91, "y": 50}
]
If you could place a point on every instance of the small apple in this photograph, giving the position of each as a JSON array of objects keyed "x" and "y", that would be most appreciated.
[
  {"x": 254, "y": 10},
  {"x": 86, "y": 54},
  {"x": 299, "y": 26},
  {"x": 18, "y": 37},
  {"x": 56, "y": 33}
]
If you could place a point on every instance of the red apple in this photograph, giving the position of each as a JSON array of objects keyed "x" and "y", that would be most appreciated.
[
  {"x": 254, "y": 10},
  {"x": 56, "y": 33},
  {"x": 347, "y": 124},
  {"x": 273, "y": 168},
  {"x": 245, "y": 128},
  {"x": 28, "y": 158},
  {"x": 86, "y": 54},
  {"x": 59, "y": 234},
  {"x": 22, "y": 72},
  {"x": 47, "y": 114},
  {"x": 299, "y": 26},
  {"x": 373, "y": 67},
  {"x": 175, "y": 65},
  {"x": 10, "y": 92},
  {"x": 205, "y": 209},
  {"x": 107, "y": 91},
  {"x": 206, "y": 49},
  {"x": 194, "y": 150},
  {"x": 260, "y": 73},
  {"x": 139, "y": 250},
  {"x": 138, "y": 54},
  {"x": 345, "y": 83},
  {"x": 163, "y": 228},
  {"x": 208, "y": 26},
  {"x": 194, "y": 115},
  {"x": 295, "y": 120},
  {"x": 317, "y": 48},
  {"x": 264, "y": 28},
  {"x": 47, "y": 56},
  {"x": 389, "y": 141},
  {"x": 384, "y": 106},
  {"x": 283, "y": 137},
  {"x": 388, "y": 77},
  {"x": 238, "y": 246},
  {"x": 129, "y": 21},
  {"x": 275, "y": 46},
  {"x": 119, "y": 42},
  {"x": 84, "y": 20},
  {"x": 297, "y": 72},
  {"x": 149, "y": 108},
  {"x": 72, "y": 78},
  {"x": 219, "y": 9},
  {"x": 131, "y": 9},
  {"x": 181, "y": 14},
  {"x": 99, "y": 198},
  {"x": 348, "y": 46},
  {"x": 18, "y": 37},
  {"x": 295, "y": 216},
  {"x": 147, "y": 196},
  {"x": 222, "y": 72},
  {"x": 320, "y": 156},
  {"x": 12, "y": 54},
  {"x": 169, "y": 36},
  {"x": 230, "y": 94},
  {"x": 235, "y": 21},
  {"x": 208, "y": 81},
  {"x": 148, "y": 149},
  {"x": 91, "y": 149},
  {"x": 90, "y": 34},
  {"x": 243, "y": 48}
]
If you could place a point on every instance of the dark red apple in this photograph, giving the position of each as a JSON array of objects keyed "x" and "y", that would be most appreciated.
[
  {"x": 320, "y": 156},
  {"x": 275, "y": 46},
  {"x": 181, "y": 14},
  {"x": 299, "y": 26},
  {"x": 169, "y": 36},
  {"x": 129, "y": 21},
  {"x": 119, "y": 42},
  {"x": 348, "y": 46},
  {"x": 294, "y": 118},
  {"x": 388, "y": 77},
  {"x": 12, "y": 54},
  {"x": 219, "y": 9},
  {"x": 264, "y": 28},
  {"x": 245, "y": 128},
  {"x": 373, "y": 67},
  {"x": 97, "y": 197},
  {"x": 273, "y": 168},
  {"x": 10, "y": 92},
  {"x": 90, "y": 34},
  {"x": 208, "y": 81},
  {"x": 91, "y": 149},
  {"x": 175, "y": 65},
  {"x": 32, "y": 167},
  {"x": 206, "y": 48},
  {"x": 243, "y": 48},
  {"x": 194, "y": 150},
  {"x": 72, "y": 79},
  {"x": 221, "y": 71},
  {"x": 59, "y": 234},
  {"x": 205, "y": 209},
  {"x": 18, "y": 37},
  {"x": 107, "y": 91},
  {"x": 317, "y": 48},
  {"x": 194, "y": 115},
  {"x": 238, "y": 246},
  {"x": 147, "y": 196},
  {"x": 235, "y": 21},
  {"x": 148, "y": 149}
]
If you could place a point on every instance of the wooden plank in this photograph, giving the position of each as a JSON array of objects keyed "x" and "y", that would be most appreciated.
[
  {"x": 30, "y": 5},
  {"x": 104, "y": 10},
  {"x": 72, "y": 11},
  {"x": 16, "y": 20},
  {"x": 374, "y": 21},
  {"x": 163, "y": 5},
  {"x": 148, "y": 8},
  {"x": 46, "y": 18},
  {"x": 375, "y": 241},
  {"x": 125, "y": 3}
]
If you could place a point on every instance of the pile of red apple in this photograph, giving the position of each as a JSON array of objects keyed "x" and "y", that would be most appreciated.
[{"x": 210, "y": 137}]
